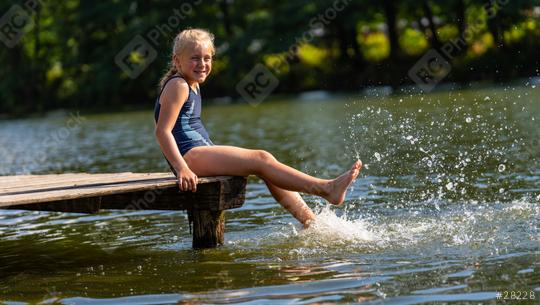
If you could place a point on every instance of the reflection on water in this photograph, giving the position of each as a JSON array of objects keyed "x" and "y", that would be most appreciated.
[{"x": 446, "y": 209}]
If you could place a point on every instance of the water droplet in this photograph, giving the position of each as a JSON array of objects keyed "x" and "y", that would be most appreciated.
[
  {"x": 449, "y": 186},
  {"x": 501, "y": 190},
  {"x": 468, "y": 119},
  {"x": 487, "y": 98},
  {"x": 377, "y": 156},
  {"x": 502, "y": 167}
]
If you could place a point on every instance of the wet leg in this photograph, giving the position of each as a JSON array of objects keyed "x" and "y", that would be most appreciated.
[{"x": 292, "y": 202}]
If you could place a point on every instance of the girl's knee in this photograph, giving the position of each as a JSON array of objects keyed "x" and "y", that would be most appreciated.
[
  {"x": 265, "y": 156},
  {"x": 263, "y": 159}
]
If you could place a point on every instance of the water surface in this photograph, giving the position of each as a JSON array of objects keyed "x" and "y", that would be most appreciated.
[{"x": 446, "y": 209}]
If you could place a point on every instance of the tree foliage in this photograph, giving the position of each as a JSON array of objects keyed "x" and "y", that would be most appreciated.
[{"x": 66, "y": 57}]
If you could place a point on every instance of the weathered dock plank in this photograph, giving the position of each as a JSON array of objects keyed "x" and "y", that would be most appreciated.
[
  {"x": 46, "y": 188},
  {"x": 90, "y": 193},
  {"x": 32, "y": 182}
]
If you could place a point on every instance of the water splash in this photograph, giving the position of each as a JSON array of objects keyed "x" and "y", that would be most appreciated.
[
  {"x": 468, "y": 149},
  {"x": 329, "y": 228},
  {"x": 468, "y": 227}
]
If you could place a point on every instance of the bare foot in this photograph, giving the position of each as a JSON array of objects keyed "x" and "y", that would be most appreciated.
[{"x": 337, "y": 189}]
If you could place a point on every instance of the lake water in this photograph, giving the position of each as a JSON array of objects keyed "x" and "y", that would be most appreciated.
[{"x": 446, "y": 209}]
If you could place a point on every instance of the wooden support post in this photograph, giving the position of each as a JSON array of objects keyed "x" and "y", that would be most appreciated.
[{"x": 208, "y": 228}]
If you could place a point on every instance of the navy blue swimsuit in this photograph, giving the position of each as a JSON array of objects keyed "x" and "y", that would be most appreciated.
[{"x": 188, "y": 131}]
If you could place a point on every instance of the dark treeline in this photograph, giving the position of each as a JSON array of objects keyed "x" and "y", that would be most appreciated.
[{"x": 67, "y": 56}]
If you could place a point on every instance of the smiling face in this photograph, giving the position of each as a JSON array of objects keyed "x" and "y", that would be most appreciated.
[{"x": 195, "y": 63}]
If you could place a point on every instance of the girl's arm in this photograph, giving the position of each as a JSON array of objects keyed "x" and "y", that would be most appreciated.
[{"x": 172, "y": 99}]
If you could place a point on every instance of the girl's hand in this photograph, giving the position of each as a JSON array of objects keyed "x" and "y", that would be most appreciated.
[{"x": 187, "y": 180}]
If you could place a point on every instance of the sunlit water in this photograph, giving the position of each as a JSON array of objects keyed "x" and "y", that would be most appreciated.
[{"x": 447, "y": 208}]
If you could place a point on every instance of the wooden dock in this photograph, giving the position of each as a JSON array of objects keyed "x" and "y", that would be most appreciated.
[{"x": 90, "y": 193}]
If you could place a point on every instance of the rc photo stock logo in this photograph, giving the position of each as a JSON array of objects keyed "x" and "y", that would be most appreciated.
[
  {"x": 434, "y": 67},
  {"x": 136, "y": 56},
  {"x": 140, "y": 52},
  {"x": 15, "y": 23},
  {"x": 257, "y": 84},
  {"x": 430, "y": 70}
]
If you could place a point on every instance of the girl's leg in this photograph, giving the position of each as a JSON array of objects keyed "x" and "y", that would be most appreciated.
[
  {"x": 292, "y": 202},
  {"x": 229, "y": 160}
]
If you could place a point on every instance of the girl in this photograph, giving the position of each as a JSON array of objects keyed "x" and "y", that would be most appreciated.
[{"x": 190, "y": 152}]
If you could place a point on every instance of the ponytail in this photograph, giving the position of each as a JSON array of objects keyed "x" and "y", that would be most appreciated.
[{"x": 172, "y": 71}]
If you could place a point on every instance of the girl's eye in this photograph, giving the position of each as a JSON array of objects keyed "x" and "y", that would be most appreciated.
[{"x": 205, "y": 59}]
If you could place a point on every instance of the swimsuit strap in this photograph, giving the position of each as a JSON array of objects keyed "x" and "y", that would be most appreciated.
[
  {"x": 178, "y": 76},
  {"x": 166, "y": 82}
]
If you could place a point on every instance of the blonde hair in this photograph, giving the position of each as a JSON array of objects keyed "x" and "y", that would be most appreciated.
[{"x": 182, "y": 41}]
